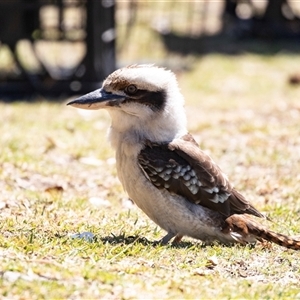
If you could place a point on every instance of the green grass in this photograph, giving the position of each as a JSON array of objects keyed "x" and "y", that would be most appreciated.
[{"x": 54, "y": 159}]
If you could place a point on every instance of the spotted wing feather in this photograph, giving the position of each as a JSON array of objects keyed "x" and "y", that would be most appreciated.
[{"x": 183, "y": 168}]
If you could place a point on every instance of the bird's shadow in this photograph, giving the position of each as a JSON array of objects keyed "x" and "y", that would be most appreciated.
[
  {"x": 135, "y": 239},
  {"x": 113, "y": 239}
]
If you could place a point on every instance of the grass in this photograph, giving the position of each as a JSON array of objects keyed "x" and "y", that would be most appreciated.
[{"x": 57, "y": 178}]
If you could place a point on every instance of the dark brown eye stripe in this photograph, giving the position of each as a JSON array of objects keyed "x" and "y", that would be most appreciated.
[{"x": 155, "y": 100}]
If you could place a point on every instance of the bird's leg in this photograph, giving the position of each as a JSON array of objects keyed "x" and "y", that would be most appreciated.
[
  {"x": 167, "y": 238},
  {"x": 177, "y": 239}
]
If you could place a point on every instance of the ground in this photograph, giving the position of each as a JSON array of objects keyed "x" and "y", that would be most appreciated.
[{"x": 58, "y": 178}]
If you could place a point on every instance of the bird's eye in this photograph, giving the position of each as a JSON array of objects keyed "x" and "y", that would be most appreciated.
[{"x": 131, "y": 89}]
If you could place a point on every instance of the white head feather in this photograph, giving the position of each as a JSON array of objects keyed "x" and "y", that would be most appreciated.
[{"x": 137, "y": 121}]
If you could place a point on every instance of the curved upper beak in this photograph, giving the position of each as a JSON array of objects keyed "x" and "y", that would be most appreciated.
[{"x": 96, "y": 100}]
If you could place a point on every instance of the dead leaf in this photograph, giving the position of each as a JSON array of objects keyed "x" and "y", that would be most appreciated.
[{"x": 212, "y": 262}]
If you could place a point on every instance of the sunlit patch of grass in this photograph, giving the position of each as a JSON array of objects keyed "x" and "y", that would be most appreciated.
[{"x": 55, "y": 159}]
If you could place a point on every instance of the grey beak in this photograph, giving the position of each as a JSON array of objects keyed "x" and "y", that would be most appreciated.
[{"x": 95, "y": 100}]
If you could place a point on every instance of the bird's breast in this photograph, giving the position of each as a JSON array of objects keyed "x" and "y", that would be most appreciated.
[{"x": 148, "y": 198}]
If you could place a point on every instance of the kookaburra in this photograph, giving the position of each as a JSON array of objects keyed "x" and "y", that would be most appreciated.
[{"x": 161, "y": 167}]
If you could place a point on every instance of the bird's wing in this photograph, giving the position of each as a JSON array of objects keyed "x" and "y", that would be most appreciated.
[{"x": 183, "y": 168}]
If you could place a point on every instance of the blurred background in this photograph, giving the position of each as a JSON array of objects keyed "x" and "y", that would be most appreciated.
[
  {"x": 238, "y": 67},
  {"x": 55, "y": 48}
]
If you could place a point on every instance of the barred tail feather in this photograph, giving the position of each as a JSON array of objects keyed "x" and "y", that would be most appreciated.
[{"x": 245, "y": 227}]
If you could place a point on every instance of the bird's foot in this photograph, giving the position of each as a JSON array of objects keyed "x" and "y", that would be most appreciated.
[
  {"x": 165, "y": 240},
  {"x": 177, "y": 239}
]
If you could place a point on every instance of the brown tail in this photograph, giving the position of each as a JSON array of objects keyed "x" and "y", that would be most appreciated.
[{"x": 246, "y": 227}]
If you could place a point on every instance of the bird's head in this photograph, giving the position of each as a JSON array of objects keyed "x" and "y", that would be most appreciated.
[{"x": 143, "y": 98}]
